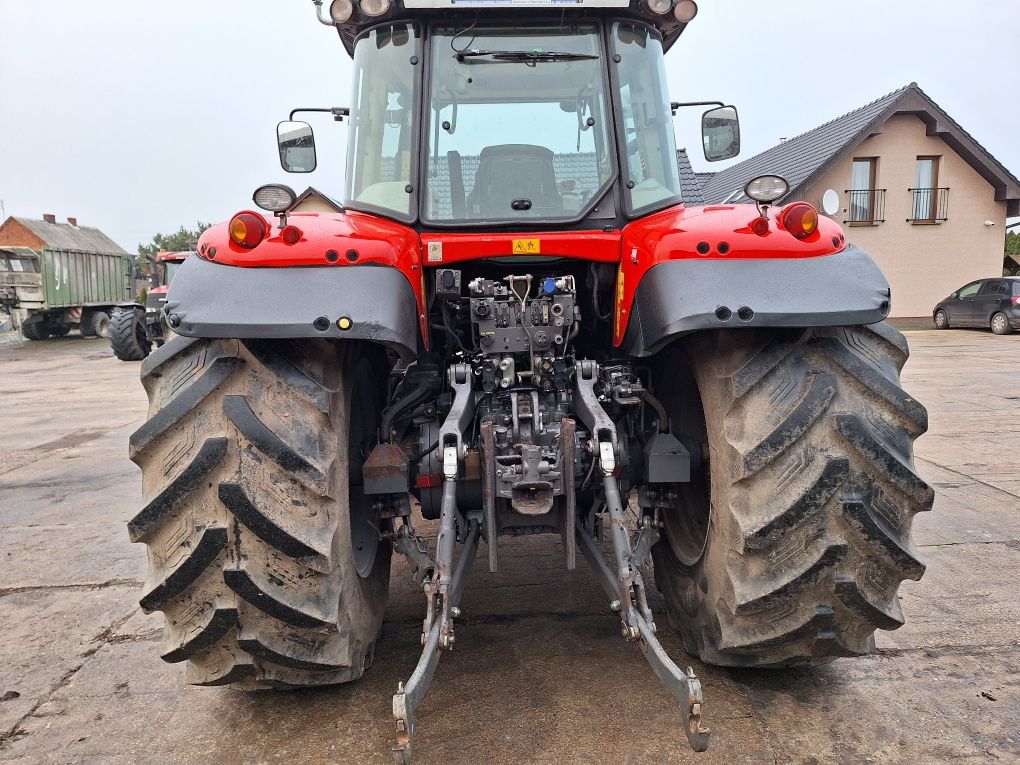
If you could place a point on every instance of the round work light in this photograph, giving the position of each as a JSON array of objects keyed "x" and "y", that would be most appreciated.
[
  {"x": 374, "y": 7},
  {"x": 274, "y": 197},
  {"x": 685, "y": 11},
  {"x": 340, "y": 11},
  {"x": 766, "y": 188}
]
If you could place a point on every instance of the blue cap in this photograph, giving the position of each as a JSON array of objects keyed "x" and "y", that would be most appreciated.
[{"x": 549, "y": 285}]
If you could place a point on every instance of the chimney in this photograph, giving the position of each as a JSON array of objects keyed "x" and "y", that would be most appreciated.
[
  {"x": 73, "y": 221},
  {"x": 49, "y": 217}
]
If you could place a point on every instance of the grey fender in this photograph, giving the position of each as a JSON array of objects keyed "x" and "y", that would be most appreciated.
[
  {"x": 216, "y": 301},
  {"x": 683, "y": 296}
]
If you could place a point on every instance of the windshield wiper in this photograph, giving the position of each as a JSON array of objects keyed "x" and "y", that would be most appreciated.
[{"x": 529, "y": 57}]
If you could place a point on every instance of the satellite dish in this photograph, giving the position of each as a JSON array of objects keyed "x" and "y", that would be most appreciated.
[{"x": 830, "y": 202}]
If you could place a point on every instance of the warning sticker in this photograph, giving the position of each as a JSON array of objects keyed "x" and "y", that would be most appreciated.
[
  {"x": 527, "y": 246},
  {"x": 435, "y": 252}
]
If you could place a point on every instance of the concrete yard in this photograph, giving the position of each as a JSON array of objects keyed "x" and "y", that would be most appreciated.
[{"x": 540, "y": 673}]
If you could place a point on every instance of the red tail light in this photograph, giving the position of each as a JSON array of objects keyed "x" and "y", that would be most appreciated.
[
  {"x": 800, "y": 219},
  {"x": 1016, "y": 300},
  {"x": 760, "y": 226},
  {"x": 291, "y": 234},
  {"x": 248, "y": 229}
]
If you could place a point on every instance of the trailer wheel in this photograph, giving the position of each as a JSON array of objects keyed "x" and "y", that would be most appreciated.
[
  {"x": 95, "y": 324},
  {"x": 251, "y": 466},
  {"x": 127, "y": 334},
  {"x": 790, "y": 543},
  {"x": 37, "y": 330}
]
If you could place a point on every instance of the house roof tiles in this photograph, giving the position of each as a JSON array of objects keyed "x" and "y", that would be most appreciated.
[
  {"x": 807, "y": 156},
  {"x": 64, "y": 236},
  {"x": 690, "y": 186}
]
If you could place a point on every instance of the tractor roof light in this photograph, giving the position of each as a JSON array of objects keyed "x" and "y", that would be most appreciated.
[
  {"x": 248, "y": 229},
  {"x": 800, "y": 219},
  {"x": 766, "y": 189},
  {"x": 660, "y": 7},
  {"x": 274, "y": 197},
  {"x": 374, "y": 7},
  {"x": 341, "y": 10},
  {"x": 685, "y": 11}
]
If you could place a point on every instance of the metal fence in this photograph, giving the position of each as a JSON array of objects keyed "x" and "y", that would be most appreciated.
[
  {"x": 930, "y": 205},
  {"x": 866, "y": 206}
]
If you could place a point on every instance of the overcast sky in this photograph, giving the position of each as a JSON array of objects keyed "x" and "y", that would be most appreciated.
[{"x": 137, "y": 117}]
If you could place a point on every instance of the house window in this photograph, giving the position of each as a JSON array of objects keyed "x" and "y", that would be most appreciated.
[
  {"x": 929, "y": 201},
  {"x": 866, "y": 201}
]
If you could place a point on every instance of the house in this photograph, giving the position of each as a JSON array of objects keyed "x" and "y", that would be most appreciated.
[
  {"x": 312, "y": 200},
  {"x": 37, "y": 234},
  {"x": 912, "y": 188}
]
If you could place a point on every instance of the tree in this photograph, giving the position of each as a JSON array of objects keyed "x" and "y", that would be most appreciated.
[
  {"x": 1011, "y": 263},
  {"x": 180, "y": 240}
]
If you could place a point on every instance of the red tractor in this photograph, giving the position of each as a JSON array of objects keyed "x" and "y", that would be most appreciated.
[
  {"x": 135, "y": 328},
  {"x": 516, "y": 326}
]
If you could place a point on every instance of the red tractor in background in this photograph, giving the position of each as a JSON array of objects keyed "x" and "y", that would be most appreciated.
[
  {"x": 135, "y": 328},
  {"x": 516, "y": 326}
]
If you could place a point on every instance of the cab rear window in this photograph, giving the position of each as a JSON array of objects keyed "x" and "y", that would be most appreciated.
[{"x": 17, "y": 265}]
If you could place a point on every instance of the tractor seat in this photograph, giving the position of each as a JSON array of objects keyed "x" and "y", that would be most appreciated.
[{"x": 511, "y": 173}]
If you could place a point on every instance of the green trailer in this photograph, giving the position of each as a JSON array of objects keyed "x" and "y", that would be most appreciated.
[{"x": 49, "y": 291}]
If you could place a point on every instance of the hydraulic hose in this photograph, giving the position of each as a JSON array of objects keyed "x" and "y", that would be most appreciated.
[
  {"x": 655, "y": 404},
  {"x": 411, "y": 399}
]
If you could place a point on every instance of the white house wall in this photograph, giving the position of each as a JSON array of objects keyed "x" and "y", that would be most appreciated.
[{"x": 923, "y": 263}]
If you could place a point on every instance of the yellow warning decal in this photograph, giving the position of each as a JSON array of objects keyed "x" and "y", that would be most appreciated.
[
  {"x": 527, "y": 246},
  {"x": 619, "y": 302}
]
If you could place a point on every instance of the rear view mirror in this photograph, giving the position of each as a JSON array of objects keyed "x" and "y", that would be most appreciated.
[
  {"x": 297, "y": 146},
  {"x": 720, "y": 130}
]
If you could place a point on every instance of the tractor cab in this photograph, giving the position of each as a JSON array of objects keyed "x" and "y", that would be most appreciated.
[
  {"x": 167, "y": 264},
  {"x": 20, "y": 279},
  {"x": 487, "y": 114}
]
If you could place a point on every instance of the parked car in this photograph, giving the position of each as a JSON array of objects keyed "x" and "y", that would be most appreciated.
[{"x": 993, "y": 303}]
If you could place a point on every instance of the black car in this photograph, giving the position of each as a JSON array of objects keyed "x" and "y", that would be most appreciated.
[{"x": 993, "y": 303}]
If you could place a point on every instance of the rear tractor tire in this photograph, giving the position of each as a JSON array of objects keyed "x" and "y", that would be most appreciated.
[
  {"x": 790, "y": 543},
  {"x": 263, "y": 557},
  {"x": 127, "y": 334}
]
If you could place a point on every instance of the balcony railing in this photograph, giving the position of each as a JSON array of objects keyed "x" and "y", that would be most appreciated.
[
  {"x": 866, "y": 206},
  {"x": 929, "y": 205}
]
